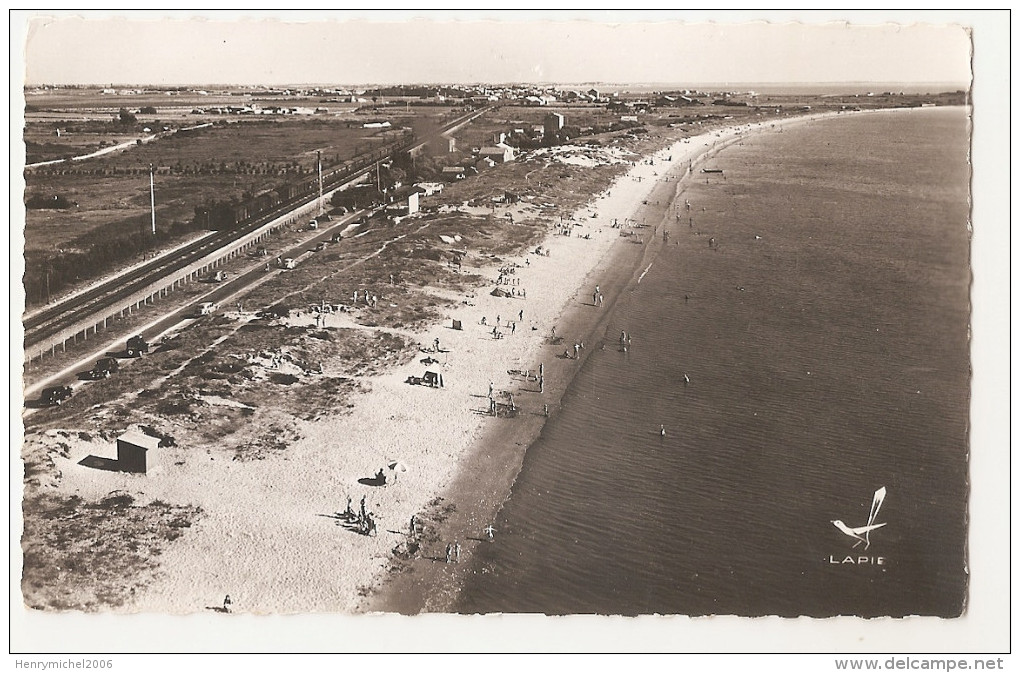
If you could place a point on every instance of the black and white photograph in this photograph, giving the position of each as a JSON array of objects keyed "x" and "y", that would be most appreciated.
[{"x": 656, "y": 327}]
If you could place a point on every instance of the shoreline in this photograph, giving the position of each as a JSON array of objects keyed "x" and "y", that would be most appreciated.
[
  {"x": 271, "y": 534},
  {"x": 432, "y": 585}
]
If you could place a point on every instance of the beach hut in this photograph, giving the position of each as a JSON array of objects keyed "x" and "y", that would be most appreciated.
[{"x": 136, "y": 451}]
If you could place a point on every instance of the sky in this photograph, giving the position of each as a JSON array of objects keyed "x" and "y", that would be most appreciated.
[{"x": 176, "y": 47}]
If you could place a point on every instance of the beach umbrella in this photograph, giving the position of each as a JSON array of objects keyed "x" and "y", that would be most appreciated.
[{"x": 396, "y": 467}]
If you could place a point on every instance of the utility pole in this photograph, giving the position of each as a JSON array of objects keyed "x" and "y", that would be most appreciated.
[
  {"x": 152, "y": 200},
  {"x": 318, "y": 156}
]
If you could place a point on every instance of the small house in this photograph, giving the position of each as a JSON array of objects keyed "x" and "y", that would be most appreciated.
[
  {"x": 136, "y": 452},
  {"x": 453, "y": 172},
  {"x": 553, "y": 123},
  {"x": 499, "y": 154}
]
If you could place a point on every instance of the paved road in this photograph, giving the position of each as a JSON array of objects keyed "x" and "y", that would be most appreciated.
[{"x": 224, "y": 294}]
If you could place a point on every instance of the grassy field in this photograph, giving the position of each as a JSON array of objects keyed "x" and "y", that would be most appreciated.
[{"x": 222, "y": 162}]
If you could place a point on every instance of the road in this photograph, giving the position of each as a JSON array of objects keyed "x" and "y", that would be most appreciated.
[
  {"x": 81, "y": 311},
  {"x": 223, "y": 294}
]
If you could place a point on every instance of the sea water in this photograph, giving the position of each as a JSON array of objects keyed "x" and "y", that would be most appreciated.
[{"x": 798, "y": 343}]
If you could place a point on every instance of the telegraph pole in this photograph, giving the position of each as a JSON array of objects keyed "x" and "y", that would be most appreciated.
[
  {"x": 318, "y": 156},
  {"x": 152, "y": 200}
]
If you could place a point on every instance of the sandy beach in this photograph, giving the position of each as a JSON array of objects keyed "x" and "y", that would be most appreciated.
[{"x": 271, "y": 534}]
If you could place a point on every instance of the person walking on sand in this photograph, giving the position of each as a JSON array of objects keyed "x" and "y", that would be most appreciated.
[
  {"x": 449, "y": 552},
  {"x": 456, "y": 551},
  {"x": 545, "y": 410},
  {"x": 489, "y": 530},
  {"x": 227, "y": 603},
  {"x": 541, "y": 384},
  {"x": 577, "y": 351},
  {"x": 414, "y": 524},
  {"x": 349, "y": 512},
  {"x": 363, "y": 512},
  {"x": 490, "y": 390}
]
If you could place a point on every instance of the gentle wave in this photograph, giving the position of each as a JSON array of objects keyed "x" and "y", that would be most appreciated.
[{"x": 818, "y": 352}]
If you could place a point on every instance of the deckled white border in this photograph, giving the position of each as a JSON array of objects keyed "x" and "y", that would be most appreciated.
[{"x": 984, "y": 628}]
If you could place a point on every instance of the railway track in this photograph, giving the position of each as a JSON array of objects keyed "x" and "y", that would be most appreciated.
[{"x": 43, "y": 326}]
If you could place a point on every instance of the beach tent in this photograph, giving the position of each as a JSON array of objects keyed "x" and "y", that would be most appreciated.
[{"x": 395, "y": 468}]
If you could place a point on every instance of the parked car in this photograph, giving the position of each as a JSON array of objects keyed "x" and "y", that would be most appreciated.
[
  {"x": 104, "y": 368},
  {"x": 206, "y": 308},
  {"x": 136, "y": 345},
  {"x": 55, "y": 395}
]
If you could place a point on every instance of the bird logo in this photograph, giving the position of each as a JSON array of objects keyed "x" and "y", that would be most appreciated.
[{"x": 863, "y": 533}]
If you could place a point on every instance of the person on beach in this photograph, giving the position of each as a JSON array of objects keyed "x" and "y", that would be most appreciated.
[
  {"x": 414, "y": 524},
  {"x": 513, "y": 327},
  {"x": 449, "y": 552},
  {"x": 227, "y": 603},
  {"x": 577, "y": 351},
  {"x": 363, "y": 512},
  {"x": 489, "y": 530},
  {"x": 436, "y": 344},
  {"x": 687, "y": 381},
  {"x": 520, "y": 314},
  {"x": 541, "y": 384},
  {"x": 545, "y": 410},
  {"x": 490, "y": 390},
  {"x": 349, "y": 512},
  {"x": 456, "y": 551},
  {"x": 541, "y": 370},
  {"x": 513, "y": 407},
  {"x": 483, "y": 320},
  {"x": 662, "y": 431}
]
